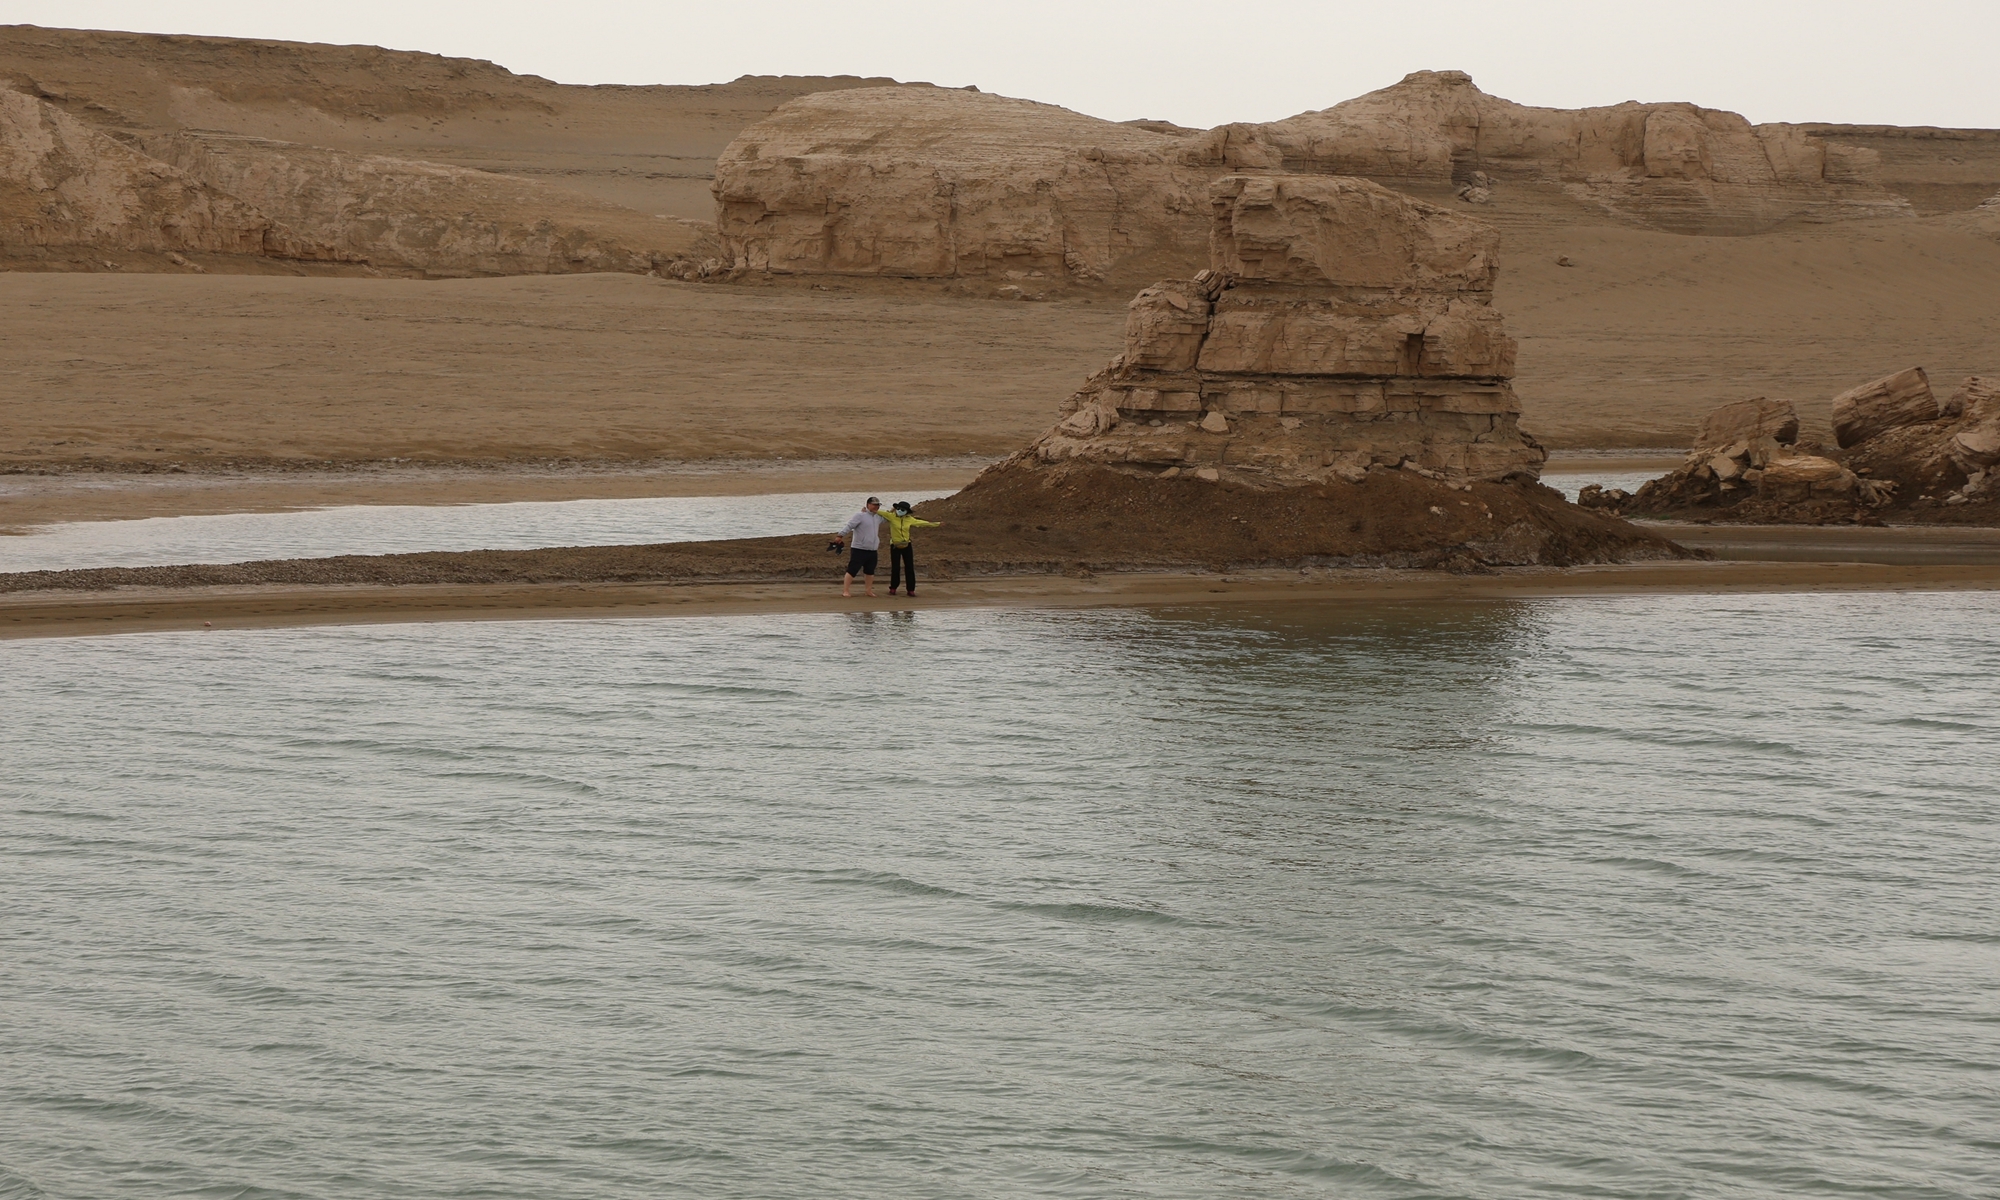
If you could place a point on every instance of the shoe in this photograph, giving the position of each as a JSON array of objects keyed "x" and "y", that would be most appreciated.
[
  {"x": 913, "y": 593},
  {"x": 892, "y": 591}
]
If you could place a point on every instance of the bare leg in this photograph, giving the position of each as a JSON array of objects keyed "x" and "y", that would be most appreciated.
[
  {"x": 868, "y": 583},
  {"x": 847, "y": 585}
]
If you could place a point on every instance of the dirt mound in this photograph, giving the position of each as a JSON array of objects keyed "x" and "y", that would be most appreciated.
[{"x": 1091, "y": 516}]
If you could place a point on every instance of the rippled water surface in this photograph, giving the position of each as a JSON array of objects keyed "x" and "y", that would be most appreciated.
[
  {"x": 400, "y": 528},
  {"x": 1664, "y": 897}
]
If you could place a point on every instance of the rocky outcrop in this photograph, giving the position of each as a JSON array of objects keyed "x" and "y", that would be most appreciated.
[
  {"x": 65, "y": 185},
  {"x": 398, "y": 214},
  {"x": 1672, "y": 166},
  {"x": 1333, "y": 389},
  {"x": 1901, "y": 454},
  {"x": 957, "y": 184},
  {"x": 1342, "y": 326},
  {"x": 947, "y": 184},
  {"x": 1888, "y": 403}
]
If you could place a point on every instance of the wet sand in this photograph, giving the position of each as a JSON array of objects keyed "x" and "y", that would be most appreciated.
[
  {"x": 137, "y": 610},
  {"x": 30, "y": 500}
]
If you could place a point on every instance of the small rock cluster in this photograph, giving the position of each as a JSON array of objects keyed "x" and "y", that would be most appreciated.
[{"x": 1896, "y": 448}]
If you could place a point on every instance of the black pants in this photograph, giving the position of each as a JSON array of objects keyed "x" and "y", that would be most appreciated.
[
  {"x": 861, "y": 562},
  {"x": 901, "y": 559}
]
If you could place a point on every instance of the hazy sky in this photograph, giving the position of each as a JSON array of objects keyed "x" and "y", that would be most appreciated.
[{"x": 1922, "y": 62}]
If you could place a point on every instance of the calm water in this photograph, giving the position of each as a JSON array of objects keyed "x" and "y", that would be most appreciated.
[
  {"x": 1666, "y": 897},
  {"x": 394, "y": 529}
]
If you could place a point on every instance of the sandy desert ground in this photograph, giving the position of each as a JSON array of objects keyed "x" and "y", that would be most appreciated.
[{"x": 1628, "y": 347}]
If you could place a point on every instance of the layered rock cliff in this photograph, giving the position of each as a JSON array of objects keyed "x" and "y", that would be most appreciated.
[
  {"x": 1678, "y": 167},
  {"x": 1332, "y": 390},
  {"x": 429, "y": 217},
  {"x": 935, "y": 183},
  {"x": 951, "y": 184},
  {"x": 64, "y": 185},
  {"x": 1341, "y": 326}
]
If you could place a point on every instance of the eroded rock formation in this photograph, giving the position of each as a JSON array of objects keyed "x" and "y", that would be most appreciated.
[
  {"x": 1672, "y": 166},
  {"x": 1341, "y": 326},
  {"x": 933, "y": 183},
  {"x": 956, "y": 184},
  {"x": 65, "y": 186},
  {"x": 1333, "y": 388},
  {"x": 1900, "y": 453},
  {"x": 395, "y": 213}
]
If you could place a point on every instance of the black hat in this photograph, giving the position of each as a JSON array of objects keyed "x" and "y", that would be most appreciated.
[
  {"x": 873, "y": 500},
  {"x": 901, "y": 506}
]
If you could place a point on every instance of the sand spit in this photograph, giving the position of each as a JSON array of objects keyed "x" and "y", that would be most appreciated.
[{"x": 144, "y": 610}]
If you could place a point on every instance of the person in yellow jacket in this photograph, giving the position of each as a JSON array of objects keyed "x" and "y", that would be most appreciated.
[{"x": 902, "y": 555}]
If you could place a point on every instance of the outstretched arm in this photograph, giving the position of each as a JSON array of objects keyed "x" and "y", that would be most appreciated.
[{"x": 926, "y": 524}]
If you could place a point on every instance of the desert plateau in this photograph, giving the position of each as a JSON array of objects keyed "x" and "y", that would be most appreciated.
[{"x": 833, "y": 634}]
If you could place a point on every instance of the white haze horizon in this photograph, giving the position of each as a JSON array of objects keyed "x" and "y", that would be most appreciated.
[{"x": 1836, "y": 62}]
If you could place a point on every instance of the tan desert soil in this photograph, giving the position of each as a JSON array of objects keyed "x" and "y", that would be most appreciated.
[
  {"x": 1630, "y": 347},
  {"x": 242, "y": 372}
]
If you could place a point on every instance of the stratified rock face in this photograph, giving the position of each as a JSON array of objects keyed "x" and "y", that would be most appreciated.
[
  {"x": 397, "y": 213},
  {"x": 949, "y": 184},
  {"x": 1888, "y": 403},
  {"x": 1673, "y": 166},
  {"x": 946, "y": 184},
  {"x": 1342, "y": 326},
  {"x": 63, "y": 184}
]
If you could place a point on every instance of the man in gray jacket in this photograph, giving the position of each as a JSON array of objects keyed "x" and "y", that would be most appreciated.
[{"x": 863, "y": 535}]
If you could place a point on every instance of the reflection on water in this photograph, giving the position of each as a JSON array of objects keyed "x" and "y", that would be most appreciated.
[
  {"x": 1646, "y": 897},
  {"x": 394, "y": 529}
]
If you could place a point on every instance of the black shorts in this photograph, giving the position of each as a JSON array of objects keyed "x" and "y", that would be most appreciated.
[{"x": 861, "y": 562}]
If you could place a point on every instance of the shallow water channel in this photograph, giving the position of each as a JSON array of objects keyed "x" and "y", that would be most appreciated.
[{"x": 393, "y": 529}]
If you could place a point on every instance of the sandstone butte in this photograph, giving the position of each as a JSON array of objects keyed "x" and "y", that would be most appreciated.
[
  {"x": 958, "y": 184},
  {"x": 1333, "y": 387}
]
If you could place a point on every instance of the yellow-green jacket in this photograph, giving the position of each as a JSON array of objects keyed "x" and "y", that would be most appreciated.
[{"x": 900, "y": 528}]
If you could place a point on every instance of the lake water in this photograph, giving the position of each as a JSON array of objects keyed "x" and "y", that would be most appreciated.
[
  {"x": 1660, "y": 897},
  {"x": 394, "y": 529}
]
